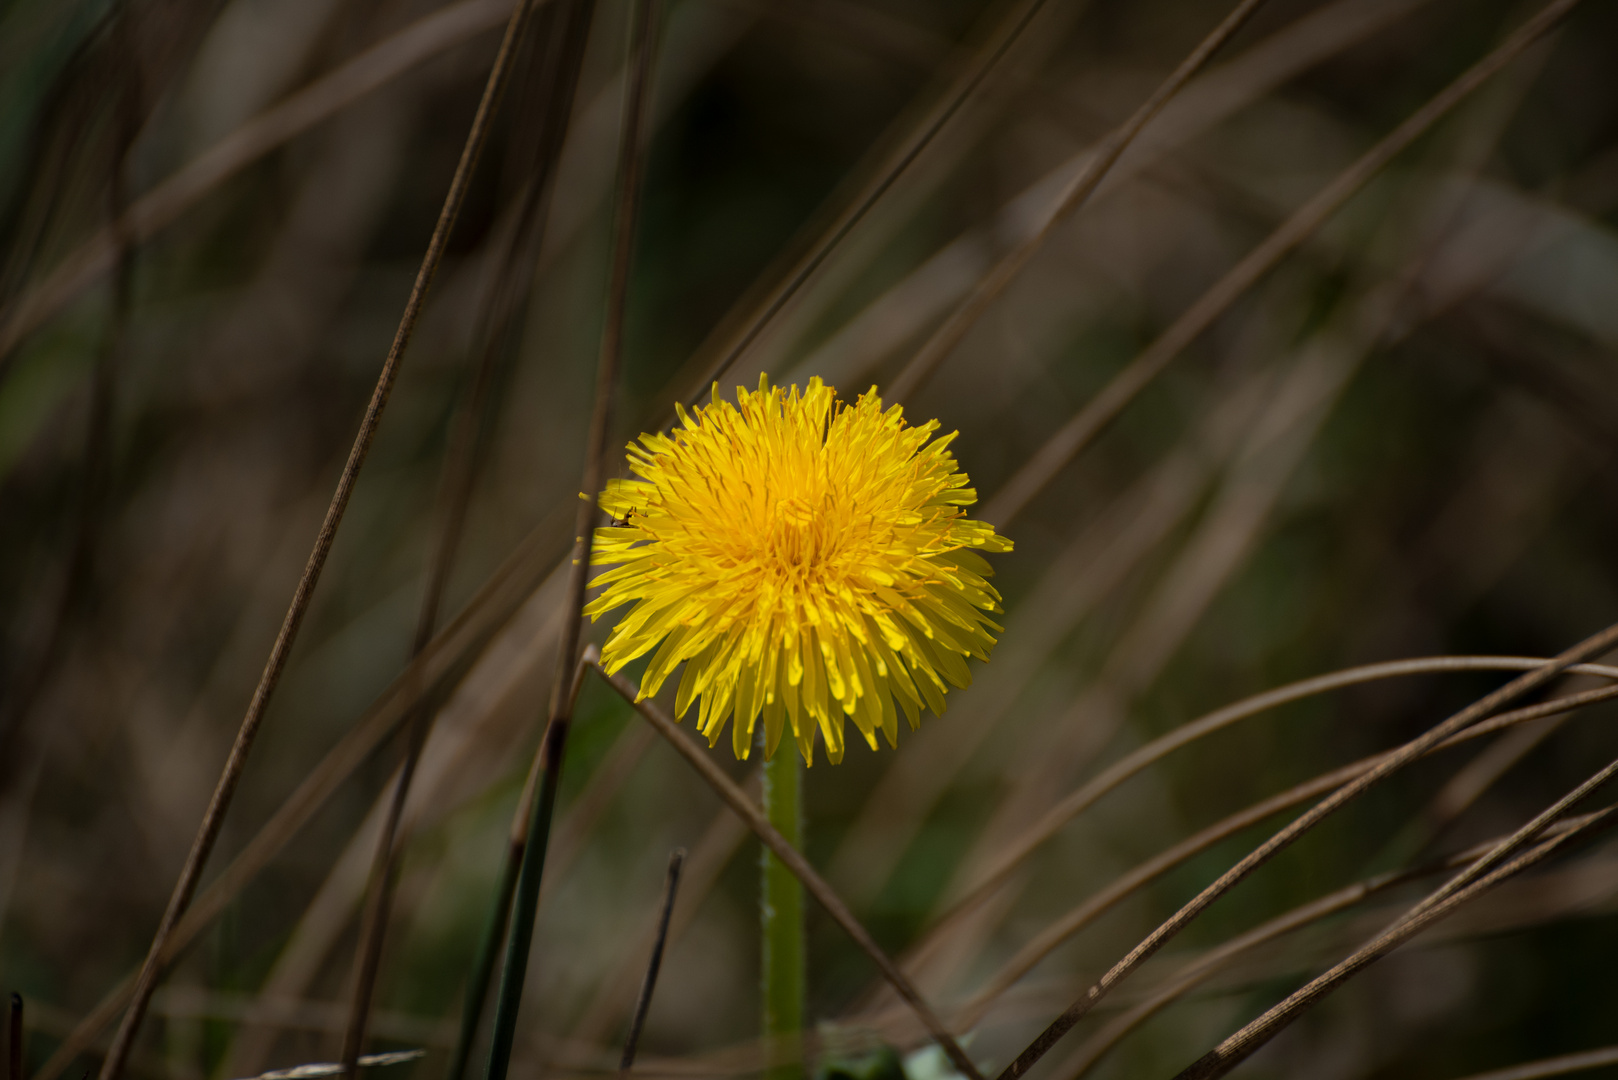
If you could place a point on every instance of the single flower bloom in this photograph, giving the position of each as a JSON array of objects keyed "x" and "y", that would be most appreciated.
[{"x": 806, "y": 559}]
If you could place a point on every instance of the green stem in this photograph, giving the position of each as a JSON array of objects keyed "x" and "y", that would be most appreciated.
[
  {"x": 477, "y": 989},
  {"x": 781, "y": 920},
  {"x": 526, "y": 902}
]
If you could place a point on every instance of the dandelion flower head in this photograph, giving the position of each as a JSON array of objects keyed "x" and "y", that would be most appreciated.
[{"x": 806, "y": 559}]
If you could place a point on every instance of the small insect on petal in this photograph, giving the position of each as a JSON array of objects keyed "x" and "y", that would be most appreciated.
[{"x": 808, "y": 559}]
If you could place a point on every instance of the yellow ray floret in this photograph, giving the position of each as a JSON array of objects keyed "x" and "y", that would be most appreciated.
[{"x": 806, "y": 559}]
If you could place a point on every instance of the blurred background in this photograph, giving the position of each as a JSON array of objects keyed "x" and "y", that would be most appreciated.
[{"x": 1398, "y": 443}]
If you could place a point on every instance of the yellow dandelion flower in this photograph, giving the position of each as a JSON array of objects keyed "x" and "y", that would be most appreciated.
[{"x": 807, "y": 559}]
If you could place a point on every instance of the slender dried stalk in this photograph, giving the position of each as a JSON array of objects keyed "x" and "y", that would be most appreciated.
[
  {"x": 717, "y": 844},
  {"x": 1085, "y": 913},
  {"x": 450, "y": 652},
  {"x": 643, "y": 1002},
  {"x": 631, "y": 161},
  {"x": 494, "y": 931},
  {"x": 1390, "y": 763},
  {"x": 1556, "y": 1066},
  {"x": 1228, "y": 528},
  {"x": 1467, "y": 885},
  {"x": 1204, "y": 967},
  {"x": 927, "y": 293},
  {"x": 984, "y": 62},
  {"x": 98, "y": 440},
  {"x": 219, "y": 804},
  {"x": 151, "y": 213},
  {"x": 794, "y": 861},
  {"x": 1156, "y": 750},
  {"x": 14, "y": 1066},
  {"x": 565, "y": 48},
  {"x": 1078, "y": 432},
  {"x": 965, "y": 315}
]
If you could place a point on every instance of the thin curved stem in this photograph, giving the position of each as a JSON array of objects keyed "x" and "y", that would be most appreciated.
[
  {"x": 568, "y": 32},
  {"x": 1210, "y": 963},
  {"x": 1030, "y": 955},
  {"x": 1556, "y": 1066},
  {"x": 1139, "y": 760},
  {"x": 1472, "y": 882},
  {"x": 214, "y": 817},
  {"x": 1391, "y": 763},
  {"x": 643, "y": 1001},
  {"x": 1000, "y": 43},
  {"x": 564, "y": 690},
  {"x": 169, "y": 200},
  {"x": 966, "y": 314},
  {"x": 794, "y": 861},
  {"x": 1015, "y": 495}
]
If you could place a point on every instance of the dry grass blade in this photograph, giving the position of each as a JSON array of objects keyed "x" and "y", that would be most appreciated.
[
  {"x": 1203, "y": 967},
  {"x": 793, "y": 861},
  {"x": 326, "y": 96},
  {"x": 712, "y": 852},
  {"x": 494, "y": 932},
  {"x": 1518, "y": 840},
  {"x": 14, "y": 1038},
  {"x": 1556, "y": 1066},
  {"x": 970, "y": 81},
  {"x": 1085, "y": 913},
  {"x": 1095, "y": 564},
  {"x": 1077, "y": 433},
  {"x": 643, "y": 1002},
  {"x": 631, "y": 163},
  {"x": 1391, "y": 763},
  {"x": 511, "y": 584},
  {"x": 1467, "y": 885},
  {"x": 519, "y": 890},
  {"x": 213, "y": 818},
  {"x": 965, "y": 316},
  {"x": 97, "y": 468},
  {"x": 927, "y": 295},
  {"x": 459, "y": 470},
  {"x": 1159, "y": 748}
]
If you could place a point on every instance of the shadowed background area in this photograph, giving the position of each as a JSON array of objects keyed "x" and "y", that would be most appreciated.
[{"x": 1396, "y": 438}]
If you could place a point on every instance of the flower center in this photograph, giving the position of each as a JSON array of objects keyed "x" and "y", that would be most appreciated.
[{"x": 797, "y": 535}]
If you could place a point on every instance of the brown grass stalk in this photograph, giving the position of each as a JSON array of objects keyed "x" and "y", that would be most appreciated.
[
  {"x": 1139, "y": 760},
  {"x": 1595, "y": 645},
  {"x": 1481, "y": 875},
  {"x": 1079, "y": 189},
  {"x": 631, "y": 165},
  {"x": 643, "y": 1002},
  {"x": 1085, "y": 913},
  {"x": 450, "y": 653},
  {"x": 933, "y": 122},
  {"x": 1555, "y": 1066},
  {"x": 1100, "y": 558},
  {"x": 568, "y": 31},
  {"x": 164, "y": 204},
  {"x": 14, "y": 1059},
  {"x": 1276, "y": 441},
  {"x": 709, "y": 856},
  {"x": 219, "y": 804},
  {"x": 1078, "y": 432},
  {"x": 794, "y": 861},
  {"x": 1210, "y": 963},
  {"x": 931, "y": 290}
]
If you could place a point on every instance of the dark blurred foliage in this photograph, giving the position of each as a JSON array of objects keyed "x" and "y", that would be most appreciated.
[{"x": 1400, "y": 443}]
